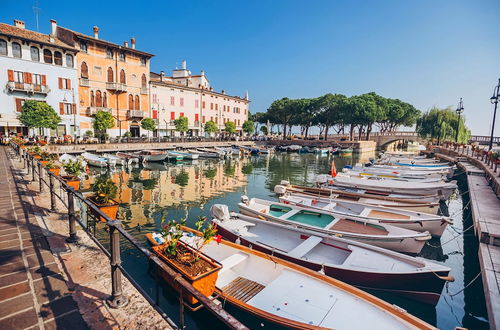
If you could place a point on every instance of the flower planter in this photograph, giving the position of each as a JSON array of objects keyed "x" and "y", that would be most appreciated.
[
  {"x": 22, "y": 147},
  {"x": 37, "y": 156},
  {"x": 205, "y": 282},
  {"x": 110, "y": 209},
  {"x": 56, "y": 171},
  {"x": 44, "y": 162},
  {"x": 72, "y": 181}
]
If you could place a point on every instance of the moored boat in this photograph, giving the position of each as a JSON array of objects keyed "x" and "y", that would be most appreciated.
[
  {"x": 151, "y": 155},
  {"x": 128, "y": 156},
  {"x": 118, "y": 161},
  {"x": 185, "y": 155},
  {"x": 174, "y": 156},
  {"x": 96, "y": 160}
]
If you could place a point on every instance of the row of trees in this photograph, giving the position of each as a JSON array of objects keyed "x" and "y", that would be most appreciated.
[
  {"x": 341, "y": 113},
  {"x": 442, "y": 125}
]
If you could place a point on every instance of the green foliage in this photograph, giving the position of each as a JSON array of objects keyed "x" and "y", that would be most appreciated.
[
  {"x": 230, "y": 127},
  {"x": 103, "y": 120},
  {"x": 210, "y": 173},
  {"x": 73, "y": 168},
  {"x": 172, "y": 232},
  {"x": 127, "y": 134},
  {"x": 441, "y": 124},
  {"x": 36, "y": 114},
  {"x": 210, "y": 127},
  {"x": 248, "y": 127},
  {"x": 51, "y": 165},
  {"x": 89, "y": 133},
  {"x": 36, "y": 150},
  {"x": 104, "y": 190},
  {"x": 182, "y": 179},
  {"x": 247, "y": 169},
  {"x": 181, "y": 124},
  {"x": 148, "y": 124}
]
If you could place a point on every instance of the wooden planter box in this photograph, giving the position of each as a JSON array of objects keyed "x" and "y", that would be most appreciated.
[
  {"x": 37, "y": 156},
  {"x": 44, "y": 162},
  {"x": 205, "y": 283},
  {"x": 56, "y": 171},
  {"x": 110, "y": 209},
  {"x": 72, "y": 181}
]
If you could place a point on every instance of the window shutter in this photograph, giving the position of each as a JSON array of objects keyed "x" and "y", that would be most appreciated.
[
  {"x": 68, "y": 82},
  {"x": 10, "y": 75},
  {"x": 30, "y": 77},
  {"x": 44, "y": 80},
  {"x": 155, "y": 114},
  {"x": 19, "y": 105},
  {"x": 74, "y": 108},
  {"x": 172, "y": 115},
  {"x": 196, "y": 118},
  {"x": 26, "y": 77},
  {"x": 60, "y": 83},
  {"x": 61, "y": 107}
]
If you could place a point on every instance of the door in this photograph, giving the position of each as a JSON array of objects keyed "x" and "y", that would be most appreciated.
[{"x": 134, "y": 131}]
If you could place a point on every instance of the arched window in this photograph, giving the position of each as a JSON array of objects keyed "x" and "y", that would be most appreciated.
[
  {"x": 98, "y": 99},
  {"x": 57, "y": 58},
  {"x": 143, "y": 81},
  {"x": 84, "y": 70},
  {"x": 69, "y": 61},
  {"x": 130, "y": 101},
  {"x": 104, "y": 100},
  {"x": 92, "y": 99},
  {"x": 47, "y": 56},
  {"x": 110, "y": 75},
  {"x": 3, "y": 47},
  {"x": 35, "y": 54},
  {"x": 16, "y": 50},
  {"x": 137, "y": 103},
  {"x": 122, "y": 77}
]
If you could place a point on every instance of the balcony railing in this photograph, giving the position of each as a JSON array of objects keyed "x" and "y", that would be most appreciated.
[
  {"x": 117, "y": 87},
  {"x": 84, "y": 82},
  {"x": 27, "y": 88},
  {"x": 144, "y": 90},
  {"x": 91, "y": 111},
  {"x": 135, "y": 114}
]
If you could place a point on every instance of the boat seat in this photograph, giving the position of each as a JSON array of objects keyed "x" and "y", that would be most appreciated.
[
  {"x": 232, "y": 261},
  {"x": 365, "y": 212},
  {"x": 303, "y": 248}
]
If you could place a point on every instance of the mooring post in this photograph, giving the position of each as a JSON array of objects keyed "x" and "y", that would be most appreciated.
[
  {"x": 40, "y": 176},
  {"x": 33, "y": 169},
  {"x": 73, "y": 238},
  {"x": 117, "y": 298},
  {"x": 181, "y": 309},
  {"x": 52, "y": 193},
  {"x": 28, "y": 164}
]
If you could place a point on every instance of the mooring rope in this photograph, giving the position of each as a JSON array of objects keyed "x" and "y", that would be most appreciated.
[{"x": 465, "y": 287}]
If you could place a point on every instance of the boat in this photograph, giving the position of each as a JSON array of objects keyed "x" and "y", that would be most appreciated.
[
  {"x": 322, "y": 151},
  {"x": 185, "y": 155},
  {"x": 345, "y": 151},
  {"x": 64, "y": 158},
  {"x": 400, "y": 171},
  {"x": 128, "y": 156},
  {"x": 349, "y": 171},
  {"x": 378, "y": 234},
  {"x": 364, "y": 266},
  {"x": 291, "y": 296},
  {"x": 118, "y": 161},
  {"x": 360, "y": 197},
  {"x": 222, "y": 154},
  {"x": 417, "y": 221},
  {"x": 151, "y": 155},
  {"x": 204, "y": 154},
  {"x": 306, "y": 150},
  {"x": 227, "y": 151},
  {"x": 174, "y": 156},
  {"x": 442, "y": 189},
  {"x": 293, "y": 148},
  {"x": 96, "y": 160}
]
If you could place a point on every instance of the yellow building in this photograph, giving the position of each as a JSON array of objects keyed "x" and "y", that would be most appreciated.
[{"x": 112, "y": 78}]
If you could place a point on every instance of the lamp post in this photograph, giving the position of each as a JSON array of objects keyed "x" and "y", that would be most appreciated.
[
  {"x": 74, "y": 111},
  {"x": 494, "y": 100},
  {"x": 459, "y": 111}
]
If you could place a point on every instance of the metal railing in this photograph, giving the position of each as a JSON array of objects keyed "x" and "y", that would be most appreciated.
[{"x": 87, "y": 215}]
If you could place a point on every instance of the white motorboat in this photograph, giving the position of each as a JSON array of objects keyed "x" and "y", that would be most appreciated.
[
  {"x": 64, "y": 158},
  {"x": 151, "y": 155},
  {"x": 361, "y": 265},
  {"x": 130, "y": 158},
  {"x": 204, "y": 154},
  {"x": 112, "y": 159},
  {"x": 96, "y": 160},
  {"x": 379, "y": 234},
  {"x": 185, "y": 155},
  {"x": 361, "y": 173},
  {"x": 400, "y": 171}
]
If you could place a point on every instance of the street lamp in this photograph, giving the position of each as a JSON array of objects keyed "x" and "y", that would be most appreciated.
[
  {"x": 74, "y": 111},
  {"x": 459, "y": 111},
  {"x": 494, "y": 100}
]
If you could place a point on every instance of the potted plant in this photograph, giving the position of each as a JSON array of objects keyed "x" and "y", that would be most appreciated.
[
  {"x": 35, "y": 152},
  {"x": 53, "y": 167},
  {"x": 72, "y": 170},
  {"x": 104, "y": 191},
  {"x": 197, "y": 268},
  {"x": 46, "y": 157}
]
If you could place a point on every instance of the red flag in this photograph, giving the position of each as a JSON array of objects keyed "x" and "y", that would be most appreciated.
[{"x": 333, "y": 170}]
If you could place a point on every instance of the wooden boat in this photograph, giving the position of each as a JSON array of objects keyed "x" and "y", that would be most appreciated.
[
  {"x": 346, "y": 151},
  {"x": 185, "y": 155},
  {"x": 398, "y": 172},
  {"x": 96, "y": 160},
  {"x": 174, "y": 156},
  {"x": 221, "y": 154},
  {"x": 378, "y": 234},
  {"x": 293, "y": 148},
  {"x": 417, "y": 221},
  {"x": 442, "y": 189},
  {"x": 322, "y": 151},
  {"x": 361, "y": 265},
  {"x": 288, "y": 295},
  {"x": 204, "y": 154},
  {"x": 129, "y": 157},
  {"x": 151, "y": 155},
  {"x": 357, "y": 173},
  {"x": 118, "y": 161}
]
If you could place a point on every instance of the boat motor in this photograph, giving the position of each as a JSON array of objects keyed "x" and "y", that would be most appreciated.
[
  {"x": 244, "y": 199},
  {"x": 284, "y": 183},
  {"x": 321, "y": 179},
  {"x": 279, "y": 190},
  {"x": 220, "y": 211}
]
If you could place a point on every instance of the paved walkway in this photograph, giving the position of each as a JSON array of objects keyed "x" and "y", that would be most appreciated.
[{"x": 33, "y": 293}]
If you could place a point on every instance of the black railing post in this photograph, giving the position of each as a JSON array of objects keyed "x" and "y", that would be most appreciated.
[
  {"x": 117, "y": 298},
  {"x": 40, "y": 176},
  {"x": 33, "y": 169},
  {"x": 73, "y": 238},
  {"x": 28, "y": 163},
  {"x": 52, "y": 193}
]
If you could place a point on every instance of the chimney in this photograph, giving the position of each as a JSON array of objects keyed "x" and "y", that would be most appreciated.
[
  {"x": 132, "y": 42},
  {"x": 211, "y": 89},
  {"x": 162, "y": 75},
  {"x": 184, "y": 65},
  {"x": 20, "y": 24},
  {"x": 53, "y": 27},
  {"x": 96, "y": 32},
  {"x": 223, "y": 92},
  {"x": 125, "y": 44}
]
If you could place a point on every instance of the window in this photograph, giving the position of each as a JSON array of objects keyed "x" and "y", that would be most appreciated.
[
  {"x": 47, "y": 56},
  {"x": 18, "y": 77},
  {"x": 37, "y": 79},
  {"x": 98, "y": 99},
  {"x": 110, "y": 75},
  {"x": 109, "y": 53},
  {"x": 84, "y": 70},
  {"x": 182, "y": 114},
  {"x": 104, "y": 100},
  {"x": 68, "y": 108},
  {"x": 83, "y": 46},
  {"x": 121, "y": 57},
  {"x": 203, "y": 118},
  {"x": 137, "y": 104},
  {"x": 16, "y": 50},
  {"x": 19, "y": 104},
  {"x": 203, "y": 104},
  {"x": 216, "y": 106},
  {"x": 196, "y": 104},
  {"x": 130, "y": 101},
  {"x": 155, "y": 98},
  {"x": 144, "y": 81},
  {"x": 64, "y": 83},
  {"x": 57, "y": 58},
  {"x": 3, "y": 47},
  {"x": 143, "y": 61},
  {"x": 172, "y": 115},
  {"x": 69, "y": 61},
  {"x": 196, "y": 117},
  {"x": 211, "y": 106},
  {"x": 181, "y": 101},
  {"x": 172, "y": 100},
  {"x": 122, "y": 77},
  {"x": 92, "y": 99},
  {"x": 35, "y": 54}
]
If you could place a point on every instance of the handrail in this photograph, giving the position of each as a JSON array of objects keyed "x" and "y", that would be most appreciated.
[{"x": 116, "y": 229}]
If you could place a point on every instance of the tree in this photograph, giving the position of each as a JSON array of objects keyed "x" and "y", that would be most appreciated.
[
  {"x": 281, "y": 112},
  {"x": 103, "y": 121},
  {"x": 264, "y": 130},
  {"x": 36, "y": 114},
  {"x": 210, "y": 127},
  {"x": 230, "y": 127},
  {"x": 441, "y": 124},
  {"x": 248, "y": 127},
  {"x": 331, "y": 111},
  {"x": 149, "y": 124},
  {"x": 181, "y": 125}
]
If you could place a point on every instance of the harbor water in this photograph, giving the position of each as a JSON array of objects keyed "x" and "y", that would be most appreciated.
[{"x": 155, "y": 192}]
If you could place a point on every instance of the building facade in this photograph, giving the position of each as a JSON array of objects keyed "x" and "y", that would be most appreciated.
[
  {"x": 186, "y": 95},
  {"x": 36, "y": 66},
  {"x": 112, "y": 78}
]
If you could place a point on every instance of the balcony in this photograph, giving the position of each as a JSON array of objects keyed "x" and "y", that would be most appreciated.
[
  {"x": 135, "y": 114},
  {"x": 116, "y": 87},
  {"x": 144, "y": 90},
  {"x": 91, "y": 111},
  {"x": 27, "y": 88},
  {"x": 84, "y": 82}
]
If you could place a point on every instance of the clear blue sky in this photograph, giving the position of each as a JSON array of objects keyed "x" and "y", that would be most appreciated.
[{"x": 425, "y": 52}]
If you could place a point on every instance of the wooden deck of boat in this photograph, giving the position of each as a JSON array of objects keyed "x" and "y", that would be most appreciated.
[
  {"x": 349, "y": 226},
  {"x": 242, "y": 289},
  {"x": 386, "y": 215}
]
